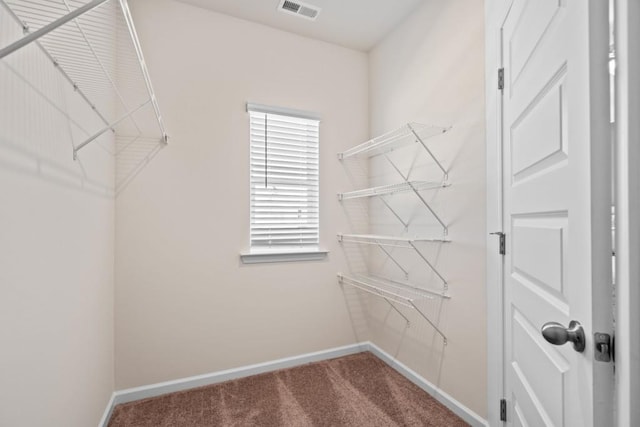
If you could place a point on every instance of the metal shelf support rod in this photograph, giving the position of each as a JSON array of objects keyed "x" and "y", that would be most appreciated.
[
  {"x": 446, "y": 285},
  {"x": 406, "y": 224},
  {"x": 31, "y": 37},
  {"x": 110, "y": 126},
  {"x": 406, "y": 273},
  {"x": 446, "y": 174},
  {"x": 430, "y": 322},
  {"x": 143, "y": 67},
  {"x": 405, "y": 178},
  {"x": 435, "y": 215},
  {"x": 397, "y": 311}
]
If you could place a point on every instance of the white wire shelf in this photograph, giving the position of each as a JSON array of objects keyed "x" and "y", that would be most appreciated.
[
  {"x": 384, "y": 242},
  {"x": 392, "y": 188},
  {"x": 432, "y": 293},
  {"x": 394, "y": 294},
  {"x": 394, "y": 241},
  {"x": 94, "y": 45},
  {"x": 404, "y": 135}
]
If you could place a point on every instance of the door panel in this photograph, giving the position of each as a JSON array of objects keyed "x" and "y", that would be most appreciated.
[
  {"x": 529, "y": 31},
  {"x": 555, "y": 154},
  {"x": 538, "y": 251}
]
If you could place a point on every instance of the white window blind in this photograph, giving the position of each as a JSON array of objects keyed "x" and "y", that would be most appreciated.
[{"x": 284, "y": 182}]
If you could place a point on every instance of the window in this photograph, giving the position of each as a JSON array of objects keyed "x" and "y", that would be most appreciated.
[{"x": 284, "y": 165}]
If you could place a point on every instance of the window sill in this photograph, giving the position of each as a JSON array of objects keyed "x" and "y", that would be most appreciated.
[{"x": 265, "y": 257}]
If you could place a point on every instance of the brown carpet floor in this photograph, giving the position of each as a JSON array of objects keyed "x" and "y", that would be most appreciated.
[{"x": 356, "y": 390}]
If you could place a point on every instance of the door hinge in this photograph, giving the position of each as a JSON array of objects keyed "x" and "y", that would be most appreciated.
[
  {"x": 502, "y": 249},
  {"x": 503, "y": 409},
  {"x": 500, "y": 78}
]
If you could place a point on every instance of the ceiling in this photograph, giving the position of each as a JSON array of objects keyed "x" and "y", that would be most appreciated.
[{"x": 356, "y": 24}]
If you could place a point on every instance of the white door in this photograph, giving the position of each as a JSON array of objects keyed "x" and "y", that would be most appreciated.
[{"x": 556, "y": 195}]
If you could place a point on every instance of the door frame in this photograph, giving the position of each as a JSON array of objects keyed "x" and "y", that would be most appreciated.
[
  {"x": 627, "y": 194},
  {"x": 627, "y": 191},
  {"x": 496, "y": 12}
]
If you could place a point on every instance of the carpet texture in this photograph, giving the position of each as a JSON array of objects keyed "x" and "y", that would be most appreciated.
[{"x": 355, "y": 390}]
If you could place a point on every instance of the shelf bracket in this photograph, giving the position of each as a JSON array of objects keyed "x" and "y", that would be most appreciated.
[
  {"x": 406, "y": 273},
  {"x": 406, "y": 224},
  {"x": 405, "y": 178},
  {"x": 31, "y": 37},
  {"x": 444, "y": 171},
  {"x": 435, "y": 215},
  {"x": 103, "y": 130},
  {"x": 435, "y": 270},
  {"x": 444, "y": 337},
  {"x": 397, "y": 310},
  {"x": 124, "y": 5}
]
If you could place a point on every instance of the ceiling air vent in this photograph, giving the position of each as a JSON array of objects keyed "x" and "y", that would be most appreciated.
[{"x": 300, "y": 9}]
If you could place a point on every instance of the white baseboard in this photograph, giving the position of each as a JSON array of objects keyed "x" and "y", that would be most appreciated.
[
  {"x": 108, "y": 411},
  {"x": 456, "y": 407},
  {"x": 158, "y": 389}
]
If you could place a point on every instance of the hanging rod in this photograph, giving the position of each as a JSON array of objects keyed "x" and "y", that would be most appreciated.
[
  {"x": 391, "y": 189},
  {"x": 393, "y": 294},
  {"x": 404, "y": 135}
]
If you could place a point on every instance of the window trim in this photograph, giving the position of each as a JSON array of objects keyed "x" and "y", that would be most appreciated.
[
  {"x": 258, "y": 256},
  {"x": 261, "y": 108},
  {"x": 289, "y": 256}
]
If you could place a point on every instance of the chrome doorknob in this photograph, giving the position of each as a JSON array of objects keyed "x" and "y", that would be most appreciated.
[{"x": 557, "y": 334}]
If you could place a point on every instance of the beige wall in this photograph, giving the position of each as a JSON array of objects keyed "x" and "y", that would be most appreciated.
[
  {"x": 56, "y": 248},
  {"x": 185, "y": 305},
  {"x": 431, "y": 70}
]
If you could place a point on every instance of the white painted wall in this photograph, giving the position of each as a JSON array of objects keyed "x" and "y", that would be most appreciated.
[
  {"x": 431, "y": 70},
  {"x": 185, "y": 305},
  {"x": 56, "y": 248}
]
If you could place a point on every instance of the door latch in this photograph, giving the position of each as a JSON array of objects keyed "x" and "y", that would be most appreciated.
[{"x": 603, "y": 351}]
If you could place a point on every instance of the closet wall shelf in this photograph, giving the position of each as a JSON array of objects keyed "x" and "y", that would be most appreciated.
[
  {"x": 392, "y": 189},
  {"x": 404, "y": 135},
  {"x": 397, "y": 293},
  {"x": 402, "y": 242},
  {"x": 433, "y": 293},
  {"x": 95, "y": 47},
  {"x": 394, "y": 294},
  {"x": 384, "y": 242}
]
